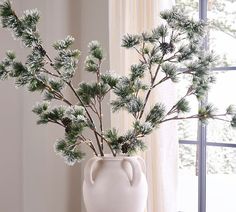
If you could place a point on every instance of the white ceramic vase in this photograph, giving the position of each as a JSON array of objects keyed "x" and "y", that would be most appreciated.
[{"x": 115, "y": 184}]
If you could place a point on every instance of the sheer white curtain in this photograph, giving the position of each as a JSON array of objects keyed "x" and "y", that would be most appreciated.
[{"x": 135, "y": 16}]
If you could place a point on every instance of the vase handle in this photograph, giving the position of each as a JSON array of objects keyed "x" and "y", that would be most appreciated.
[
  {"x": 142, "y": 163},
  {"x": 88, "y": 171},
  {"x": 136, "y": 169}
]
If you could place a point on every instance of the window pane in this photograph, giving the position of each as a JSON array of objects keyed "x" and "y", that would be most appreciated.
[
  {"x": 187, "y": 179},
  {"x": 222, "y": 16},
  {"x": 221, "y": 96},
  {"x": 187, "y": 129},
  {"x": 221, "y": 175},
  {"x": 190, "y": 6}
]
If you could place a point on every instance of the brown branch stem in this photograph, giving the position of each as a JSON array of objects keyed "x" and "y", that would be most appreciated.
[
  {"x": 99, "y": 98},
  {"x": 89, "y": 117},
  {"x": 151, "y": 87}
]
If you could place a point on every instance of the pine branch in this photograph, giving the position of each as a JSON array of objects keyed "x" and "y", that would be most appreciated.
[
  {"x": 57, "y": 94},
  {"x": 180, "y": 118},
  {"x": 108, "y": 143},
  {"x": 151, "y": 87},
  {"x": 89, "y": 116},
  {"x": 100, "y": 102},
  {"x": 93, "y": 107},
  {"x": 141, "y": 53},
  {"x": 165, "y": 78},
  {"x": 89, "y": 143},
  {"x": 157, "y": 51},
  {"x": 172, "y": 110},
  {"x": 50, "y": 73},
  {"x": 81, "y": 102}
]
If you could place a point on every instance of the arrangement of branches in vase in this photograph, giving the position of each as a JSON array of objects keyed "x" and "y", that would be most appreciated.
[{"x": 161, "y": 52}]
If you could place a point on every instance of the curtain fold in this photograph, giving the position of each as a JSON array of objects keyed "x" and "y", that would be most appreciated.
[{"x": 135, "y": 16}]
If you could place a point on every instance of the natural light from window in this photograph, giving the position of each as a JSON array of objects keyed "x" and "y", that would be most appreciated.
[{"x": 221, "y": 160}]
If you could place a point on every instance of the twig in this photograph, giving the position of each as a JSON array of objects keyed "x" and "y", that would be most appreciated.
[
  {"x": 180, "y": 118},
  {"x": 189, "y": 92},
  {"x": 50, "y": 73},
  {"x": 100, "y": 102},
  {"x": 89, "y": 143},
  {"x": 151, "y": 87},
  {"x": 108, "y": 143},
  {"x": 49, "y": 88},
  {"x": 89, "y": 116}
]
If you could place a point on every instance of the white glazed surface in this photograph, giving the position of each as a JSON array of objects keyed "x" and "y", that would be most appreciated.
[{"x": 115, "y": 185}]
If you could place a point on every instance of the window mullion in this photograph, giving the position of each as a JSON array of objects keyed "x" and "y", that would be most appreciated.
[
  {"x": 202, "y": 130},
  {"x": 202, "y": 168}
]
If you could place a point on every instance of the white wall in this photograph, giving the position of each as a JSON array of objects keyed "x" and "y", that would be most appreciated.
[
  {"x": 32, "y": 177},
  {"x": 10, "y": 137}
]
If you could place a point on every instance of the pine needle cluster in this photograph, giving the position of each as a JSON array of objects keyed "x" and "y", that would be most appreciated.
[{"x": 167, "y": 52}]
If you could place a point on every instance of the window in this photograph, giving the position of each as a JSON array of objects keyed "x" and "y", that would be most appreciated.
[{"x": 207, "y": 153}]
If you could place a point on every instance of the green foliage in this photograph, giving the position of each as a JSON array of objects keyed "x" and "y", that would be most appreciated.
[
  {"x": 35, "y": 61},
  {"x": 207, "y": 111},
  {"x": 137, "y": 71},
  {"x": 183, "y": 106},
  {"x": 37, "y": 83},
  {"x": 201, "y": 77},
  {"x": 131, "y": 144},
  {"x": 123, "y": 87},
  {"x": 147, "y": 37},
  {"x": 24, "y": 27},
  {"x": 112, "y": 136},
  {"x": 156, "y": 114},
  {"x": 91, "y": 65},
  {"x": 95, "y": 50},
  {"x": 67, "y": 60},
  {"x": 109, "y": 79},
  {"x": 143, "y": 128},
  {"x": 9, "y": 67},
  {"x": 173, "y": 44},
  {"x": 233, "y": 121},
  {"x": 128, "y": 143},
  {"x": 177, "y": 19},
  {"x": 66, "y": 63},
  {"x": 41, "y": 108},
  {"x": 187, "y": 52},
  {"x": 11, "y": 55},
  {"x": 95, "y": 57},
  {"x": 130, "y": 41},
  {"x": 170, "y": 71},
  {"x": 72, "y": 118},
  {"x": 47, "y": 114},
  {"x": 88, "y": 92},
  {"x": 130, "y": 103},
  {"x": 5, "y": 65},
  {"x": 69, "y": 150},
  {"x": 231, "y": 110},
  {"x": 160, "y": 32},
  {"x": 133, "y": 105},
  {"x": 18, "y": 69},
  {"x": 127, "y": 90},
  {"x": 154, "y": 55},
  {"x": 56, "y": 84},
  {"x": 30, "y": 18},
  {"x": 64, "y": 44}
]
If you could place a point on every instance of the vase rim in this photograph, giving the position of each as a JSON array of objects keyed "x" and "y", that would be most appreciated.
[{"x": 111, "y": 157}]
